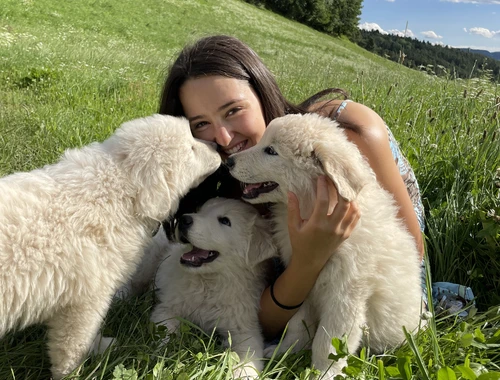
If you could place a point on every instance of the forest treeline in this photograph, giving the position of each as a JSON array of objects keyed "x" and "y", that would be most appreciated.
[
  {"x": 334, "y": 17},
  {"x": 341, "y": 18},
  {"x": 436, "y": 59}
]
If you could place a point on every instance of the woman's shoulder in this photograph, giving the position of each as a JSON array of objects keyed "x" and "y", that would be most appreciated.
[
  {"x": 356, "y": 118},
  {"x": 326, "y": 108}
]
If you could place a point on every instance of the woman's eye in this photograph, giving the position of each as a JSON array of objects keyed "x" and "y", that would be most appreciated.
[
  {"x": 232, "y": 111},
  {"x": 199, "y": 126},
  {"x": 224, "y": 220},
  {"x": 270, "y": 150}
]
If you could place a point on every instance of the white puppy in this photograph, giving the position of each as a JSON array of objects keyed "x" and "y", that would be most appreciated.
[
  {"x": 219, "y": 281},
  {"x": 71, "y": 233},
  {"x": 372, "y": 280}
]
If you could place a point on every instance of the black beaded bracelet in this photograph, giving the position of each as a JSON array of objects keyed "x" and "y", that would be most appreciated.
[{"x": 280, "y": 304}]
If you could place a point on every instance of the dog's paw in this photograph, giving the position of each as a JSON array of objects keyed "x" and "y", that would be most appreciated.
[{"x": 270, "y": 350}]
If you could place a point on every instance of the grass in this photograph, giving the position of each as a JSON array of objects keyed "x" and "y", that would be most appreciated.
[{"x": 70, "y": 73}]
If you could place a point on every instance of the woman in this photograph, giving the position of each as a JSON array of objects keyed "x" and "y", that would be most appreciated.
[{"x": 229, "y": 96}]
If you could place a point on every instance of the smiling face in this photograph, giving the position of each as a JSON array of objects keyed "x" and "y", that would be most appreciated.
[{"x": 223, "y": 110}]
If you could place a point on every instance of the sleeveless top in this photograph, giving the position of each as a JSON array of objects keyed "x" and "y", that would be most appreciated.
[{"x": 405, "y": 171}]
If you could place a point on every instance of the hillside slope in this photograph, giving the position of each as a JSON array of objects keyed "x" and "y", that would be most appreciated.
[{"x": 122, "y": 33}]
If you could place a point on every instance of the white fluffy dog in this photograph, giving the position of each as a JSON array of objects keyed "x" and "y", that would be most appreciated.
[
  {"x": 71, "y": 233},
  {"x": 219, "y": 281},
  {"x": 372, "y": 281}
]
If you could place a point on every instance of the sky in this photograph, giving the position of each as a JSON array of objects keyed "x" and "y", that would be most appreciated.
[{"x": 456, "y": 23}]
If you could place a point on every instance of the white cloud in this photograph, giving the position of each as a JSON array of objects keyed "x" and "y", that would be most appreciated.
[
  {"x": 484, "y": 32},
  {"x": 390, "y": 1},
  {"x": 371, "y": 26},
  {"x": 431, "y": 34},
  {"x": 473, "y": 1}
]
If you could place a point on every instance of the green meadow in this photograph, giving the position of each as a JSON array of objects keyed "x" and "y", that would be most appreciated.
[{"x": 73, "y": 71}]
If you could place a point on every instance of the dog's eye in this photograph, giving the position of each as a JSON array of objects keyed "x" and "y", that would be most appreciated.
[
  {"x": 270, "y": 150},
  {"x": 224, "y": 220}
]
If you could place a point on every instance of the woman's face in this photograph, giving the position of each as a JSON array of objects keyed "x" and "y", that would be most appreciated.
[{"x": 223, "y": 110}]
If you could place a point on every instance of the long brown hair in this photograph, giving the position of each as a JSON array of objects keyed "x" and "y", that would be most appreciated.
[{"x": 227, "y": 56}]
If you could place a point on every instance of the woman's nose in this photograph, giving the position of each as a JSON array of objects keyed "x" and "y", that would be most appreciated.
[{"x": 223, "y": 135}]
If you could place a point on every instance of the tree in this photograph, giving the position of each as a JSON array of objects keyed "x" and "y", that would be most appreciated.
[{"x": 334, "y": 17}]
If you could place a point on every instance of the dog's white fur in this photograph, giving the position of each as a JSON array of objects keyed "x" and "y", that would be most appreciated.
[
  {"x": 143, "y": 278},
  {"x": 372, "y": 280},
  {"x": 71, "y": 233},
  {"x": 225, "y": 293}
]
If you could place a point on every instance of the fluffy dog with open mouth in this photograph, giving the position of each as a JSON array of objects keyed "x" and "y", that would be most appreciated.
[
  {"x": 73, "y": 232},
  {"x": 216, "y": 282},
  {"x": 371, "y": 283}
]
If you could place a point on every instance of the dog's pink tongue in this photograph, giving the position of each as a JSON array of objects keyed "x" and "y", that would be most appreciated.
[
  {"x": 250, "y": 186},
  {"x": 194, "y": 254}
]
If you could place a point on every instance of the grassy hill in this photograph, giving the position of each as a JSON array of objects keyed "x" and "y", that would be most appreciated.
[
  {"x": 71, "y": 72},
  {"x": 99, "y": 63}
]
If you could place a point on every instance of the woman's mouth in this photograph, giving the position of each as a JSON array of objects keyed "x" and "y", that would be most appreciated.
[{"x": 237, "y": 148}]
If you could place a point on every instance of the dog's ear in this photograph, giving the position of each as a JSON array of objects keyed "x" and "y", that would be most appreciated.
[
  {"x": 142, "y": 149},
  {"x": 345, "y": 167},
  {"x": 261, "y": 246},
  {"x": 153, "y": 198}
]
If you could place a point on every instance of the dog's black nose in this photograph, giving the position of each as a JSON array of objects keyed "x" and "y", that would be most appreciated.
[{"x": 230, "y": 163}]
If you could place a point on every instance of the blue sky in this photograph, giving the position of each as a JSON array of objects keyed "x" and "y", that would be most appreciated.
[{"x": 457, "y": 23}]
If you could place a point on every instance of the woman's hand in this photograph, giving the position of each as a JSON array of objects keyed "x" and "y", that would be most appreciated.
[{"x": 314, "y": 240}]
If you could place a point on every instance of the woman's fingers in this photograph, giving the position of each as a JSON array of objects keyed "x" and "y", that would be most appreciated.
[
  {"x": 350, "y": 219},
  {"x": 333, "y": 218},
  {"x": 333, "y": 196},
  {"x": 294, "y": 219},
  {"x": 333, "y": 211},
  {"x": 321, "y": 206},
  {"x": 337, "y": 217}
]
